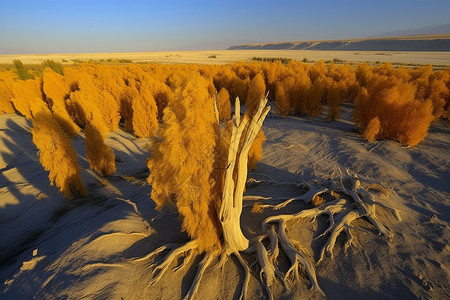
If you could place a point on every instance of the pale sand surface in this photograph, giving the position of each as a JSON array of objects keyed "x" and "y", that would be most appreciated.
[
  {"x": 231, "y": 56},
  {"x": 49, "y": 246}
]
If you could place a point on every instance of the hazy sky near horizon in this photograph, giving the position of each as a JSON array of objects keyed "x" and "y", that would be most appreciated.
[{"x": 44, "y": 26}]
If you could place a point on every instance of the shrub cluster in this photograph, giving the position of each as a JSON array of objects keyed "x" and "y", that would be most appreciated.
[{"x": 393, "y": 103}]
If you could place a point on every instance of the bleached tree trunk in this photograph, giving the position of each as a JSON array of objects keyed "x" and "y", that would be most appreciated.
[{"x": 231, "y": 208}]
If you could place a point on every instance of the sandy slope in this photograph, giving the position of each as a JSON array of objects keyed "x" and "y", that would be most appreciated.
[{"x": 53, "y": 248}]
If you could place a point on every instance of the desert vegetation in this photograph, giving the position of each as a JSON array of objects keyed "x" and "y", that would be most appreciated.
[
  {"x": 57, "y": 155},
  {"x": 202, "y": 147}
]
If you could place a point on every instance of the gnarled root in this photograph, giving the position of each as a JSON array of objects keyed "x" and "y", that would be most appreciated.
[
  {"x": 206, "y": 261},
  {"x": 163, "y": 265},
  {"x": 352, "y": 201},
  {"x": 266, "y": 261}
]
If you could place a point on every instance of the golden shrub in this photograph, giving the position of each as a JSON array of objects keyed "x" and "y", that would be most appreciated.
[
  {"x": 101, "y": 158},
  {"x": 273, "y": 73},
  {"x": 56, "y": 92},
  {"x": 256, "y": 92},
  {"x": 224, "y": 105},
  {"x": 372, "y": 129},
  {"x": 163, "y": 95},
  {"x": 57, "y": 155},
  {"x": 255, "y": 152},
  {"x": 129, "y": 93},
  {"x": 145, "y": 121},
  {"x": 281, "y": 100},
  {"x": 6, "y": 83},
  {"x": 314, "y": 99},
  {"x": 401, "y": 116},
  {"x": 239, "y": 88},
  {"x": 302, "y": 101},
  {"x": 414, "y": 127},
  {"x": 90, "y": 104},
  {"x": 437, "y": 94},
  {"x": 182, "y": 162},
  {"x": 333, "y": 98},
  {"x": 28, "y": 97}
]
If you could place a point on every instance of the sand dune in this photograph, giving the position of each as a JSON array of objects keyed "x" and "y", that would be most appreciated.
[{"x": 55, "y": 248}]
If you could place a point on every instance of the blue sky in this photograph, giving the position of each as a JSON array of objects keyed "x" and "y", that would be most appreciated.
[{"x": 43, "y": 26}]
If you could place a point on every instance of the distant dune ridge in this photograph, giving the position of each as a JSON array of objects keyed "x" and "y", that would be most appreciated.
[
  {"x": 436, "y": 29},
  {"x": 440, "y": 42}
]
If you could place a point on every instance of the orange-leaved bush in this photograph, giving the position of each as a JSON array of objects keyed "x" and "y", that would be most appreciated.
[
  {"x": 57, "y": 91},
  {"x": 162, "y": 94},
  {"x": 92, "y": 105},
  {"x": 129, "y": 93},
  {"x": 256, "y": 92},
  {"x": 28, "y": 97},
  {"x": 182, "y": 162},
  {"x": 372, "y": 129},
  {"x": 255, "y": 152},
  {"x": 100, "y": 156},
  {"x": 281, "y": 100},
  {"x": 145, "y": 120},
  {"x": 333, "y": 97},
  {"x": 57, "y": 155},
  {"x": 401, "y": 116},
  {"x": 224, "y": 105},
  {"x": 6, "y": 83}
]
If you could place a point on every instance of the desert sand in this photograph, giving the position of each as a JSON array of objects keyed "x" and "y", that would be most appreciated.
[
  {"x": 231, "y": 56},
  {"x": 52, "y": 248}
]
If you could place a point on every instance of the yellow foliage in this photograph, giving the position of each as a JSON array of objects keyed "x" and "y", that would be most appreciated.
[
  {"x": 333, "y": 97},
  {"x": 239, "y": 88},
  {"x": 256, "y": 92},
  {"x": 92, "y": 105},
  {"x": 255, "y": 152},
  {"x": 224, "y": 105},
  {"x": 314, "y": 100},
  {"x": 401, "y": 116},
  {"x": 57, "y": 155},
  {"x": 282, "y": 103},
  {"x": 6, "y": 83},
  {"x": 438, "y": 93},
  {"x": 28, "y": 97},
  {"x": 163, "y": 95},
  {"x": 302, "y": 101},
  {"x": 129, "y": 93},
  {"x": 57, "y": 91},
  {"x": 273, "y": 73},
  {"x": 145, "y": 121},
  {"x": 372, "y": 129},
  {"x": 182, "y": 162},
  {"x": 101, "y": 158},
  {"x": 291, "y": 95}
]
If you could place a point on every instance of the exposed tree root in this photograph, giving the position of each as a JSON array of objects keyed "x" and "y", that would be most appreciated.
[
  {"x": 164, "y": 265},
  {"x": 351, "y": 201},
  {"x": 246, "y": 276},
  {"x": 206, "y": 261},
  {"x": 189, "y": 250}
]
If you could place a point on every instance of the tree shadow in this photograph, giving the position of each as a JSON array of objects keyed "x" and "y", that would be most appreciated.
[{"x": 24, "y": 184}]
